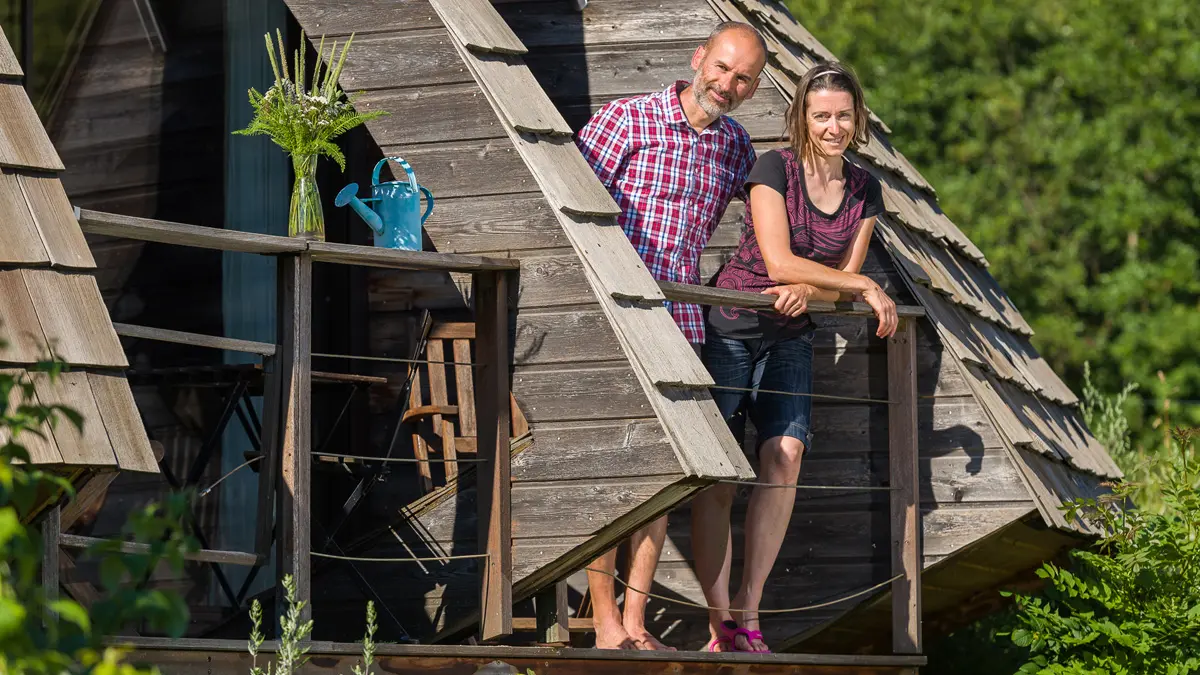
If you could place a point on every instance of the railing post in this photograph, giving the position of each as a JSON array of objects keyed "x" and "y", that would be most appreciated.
[
  {"x": 51, "y": 529},
  {"x": 493, "y": 424},
  {"x": 553, "y": 623},
  {"x": 295, "y": 461},
  {"x": 906, "y": 514}
]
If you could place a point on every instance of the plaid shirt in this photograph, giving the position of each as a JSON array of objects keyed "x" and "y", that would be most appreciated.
[{"x": 672, "y": 183}]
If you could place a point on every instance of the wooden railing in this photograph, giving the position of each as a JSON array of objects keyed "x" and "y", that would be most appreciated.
[{"x": 286, "y": 441}]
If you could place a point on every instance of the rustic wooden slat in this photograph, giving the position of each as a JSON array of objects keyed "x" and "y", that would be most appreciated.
[
  {"x": 342, "y": 17},
  {"x": 145, "y": 229},
  {"x": 464, "y": 380},
  {"x": 20, "y": 241},
  {"x": 409, "y": 59},
  {"x": 449, "y": 451},
  {"x": 42, "y": 448},
  {"x": 9, "y": 65},
  {"x": 494, "y": 478},
  {"x": 553, "y": 614},
  {"x": 584, "y": 392},
  {"x": 515, "y": 93},
  {"x": 89, "y": 447},
  {"x": 121, "y": 420},
  {"x": 369, "y": 256},
  {"x": 489, "y": 167},
  {"x": 24, "y": 341},
  {"x": 778, "y": 20},
  {"x": 92, "y": 490},
  {"x": 295, "y": 302},
  {"x": 420, "y": 447},
  {"x": 556, "y": 24},
  {"x": 452, "y": 112},
  {"x": 589, "y": 450},
  {"x": 905, "y": 480},
  {"x": 268, "y": 469},
  {"x": 577, "y": 334},
  {"x": 203, "y": 555},
  {"x": 74, "y": 318},
  {"x": 723, "y": 297},
  {"x": 477, "y": 25},
  {"x": 509, "y": 222},
  {"x": 438, "y": 394},
  {"x": 24, "y": 142},
  {"x": 56, "y": 221},
  {"x": 51, "y": 529},
  {"x": 195, "y": 339}
]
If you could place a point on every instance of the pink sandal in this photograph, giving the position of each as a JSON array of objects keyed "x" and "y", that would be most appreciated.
[
  {"x": 751, "y": 636},
  {"x": 729, "y": 629}
]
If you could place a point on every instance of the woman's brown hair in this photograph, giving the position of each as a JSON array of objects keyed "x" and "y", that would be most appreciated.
[{"x": 825, "y": 77}]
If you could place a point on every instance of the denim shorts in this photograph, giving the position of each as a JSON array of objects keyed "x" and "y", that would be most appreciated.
[{"x": 767, "y": 365}]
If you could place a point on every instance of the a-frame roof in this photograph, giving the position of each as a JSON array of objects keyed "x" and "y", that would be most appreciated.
[{"x": 50, "y": 303}]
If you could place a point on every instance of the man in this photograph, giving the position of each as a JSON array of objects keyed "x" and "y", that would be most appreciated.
[{"x": 672, "y": 161}]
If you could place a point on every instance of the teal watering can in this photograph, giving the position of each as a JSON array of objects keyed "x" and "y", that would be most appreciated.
[{"x": 397, "y": 219}]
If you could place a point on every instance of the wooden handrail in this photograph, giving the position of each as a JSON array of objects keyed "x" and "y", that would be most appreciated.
[
  {"x": 194, "y": 339},
  {"x": 203, "y": 555},
  {"x": 181, "y": 234},
  {"x": 724, "y": 297}
]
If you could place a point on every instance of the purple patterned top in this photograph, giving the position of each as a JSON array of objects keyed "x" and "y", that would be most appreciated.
[{"x": 816, "y": 235}]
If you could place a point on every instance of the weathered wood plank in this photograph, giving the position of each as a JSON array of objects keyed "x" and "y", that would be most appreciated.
[
  {"x": 596, "y": 392},
  {"x": 19, "y": 239},
  {"x": 453, "y": 112},
  {"x": 131, "y": 117},
  {"x": 410, "y": 59},
  {"x": 342, "y": 17},
  {"x": 468, "y": 168},
  {"x": 145, "y": 229},
  {"x": 9, "y": 65},
  {"x": 494, "y": 491},
  {"x": 55, "y": 221},
  {"x": 905, "y": 481},
  {"x": 24, "y": 142},
  {"x": 119, "y": 414},
  {"x": 24, "y": 341},
  {"x": 42, "y": 448},
  {"x": 510, "y": 222},
  {"x": 194, "y": 339},
  {"x": 724, "y": 297},
  {"x": 89, "y": 446},
  {"x": 74, "y": 319},
  {"x": 588, "y": 450},
  {"x": 943, "y": 424},
  {"x": 51, "y": 529},
  {"x": 553, "y": 614},
  {"x": 389, "y": 258},
  {"x": 203, "y": 555},
  {"x": 570, "y": 335},
  {"x": 546, "y": 24},
  {"x": 476, "y": 24},
  {"x": 295, "y": 332}
]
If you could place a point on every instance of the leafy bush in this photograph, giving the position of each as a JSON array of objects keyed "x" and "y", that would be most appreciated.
[
  {"x": 40, "y": 634},
  {"x": 1131, "y": 605},
  {"x": 294, "y": 634}
]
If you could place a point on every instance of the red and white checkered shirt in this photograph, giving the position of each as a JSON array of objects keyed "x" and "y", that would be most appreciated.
[{"x": 672, "y": 183}]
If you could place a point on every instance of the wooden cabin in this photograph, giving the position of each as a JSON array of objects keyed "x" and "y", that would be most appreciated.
[{"x": 482, "y": 101}]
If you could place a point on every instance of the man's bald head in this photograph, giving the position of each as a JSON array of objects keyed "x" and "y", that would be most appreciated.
[{"x": 744, "y": 30}]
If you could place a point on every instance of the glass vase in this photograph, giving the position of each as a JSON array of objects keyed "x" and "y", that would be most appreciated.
[{"x": 306, "y": 218}]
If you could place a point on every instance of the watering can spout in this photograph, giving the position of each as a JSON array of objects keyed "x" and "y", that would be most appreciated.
[{"x": 349, "y": 195}]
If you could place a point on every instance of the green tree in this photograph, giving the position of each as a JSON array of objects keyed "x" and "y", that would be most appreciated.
[
  {"x": 1062, "y": 138},
  {"x": 40, "y": 634}
]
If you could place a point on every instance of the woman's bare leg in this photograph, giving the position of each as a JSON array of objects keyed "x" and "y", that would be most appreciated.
[
  {"x": 610, "y": 631},
  {"x": 767, "y": 519},
  {"x": 712, "y": 547},
  {"x": 645, "y": 548}
]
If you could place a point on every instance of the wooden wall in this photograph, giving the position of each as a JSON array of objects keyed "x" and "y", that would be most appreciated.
[{"x": 836, "y": 544}]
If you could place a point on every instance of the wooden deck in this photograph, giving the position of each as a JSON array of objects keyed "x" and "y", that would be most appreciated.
[{"x": 202, "y": 657}]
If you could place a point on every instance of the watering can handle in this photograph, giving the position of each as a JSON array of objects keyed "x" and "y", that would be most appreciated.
[
  {"x": 428, "y": 204},
  {"x": 412, "y": 176}
]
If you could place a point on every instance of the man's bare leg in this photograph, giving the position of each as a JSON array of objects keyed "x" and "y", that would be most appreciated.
[
  {"x": 767, "y": 518},
  {"x": 610, "y": 633},
  {"x": 645, "y": 548},
  {"x": 712, "y": 546}
]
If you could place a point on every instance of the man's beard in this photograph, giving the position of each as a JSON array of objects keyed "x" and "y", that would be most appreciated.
[{"x": 713, "y": 108}]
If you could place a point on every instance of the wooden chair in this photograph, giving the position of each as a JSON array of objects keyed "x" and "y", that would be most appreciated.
[{"x": 441, "y": 402}]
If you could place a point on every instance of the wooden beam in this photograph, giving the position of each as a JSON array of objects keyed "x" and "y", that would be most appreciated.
[
  {"x": 295, "y": 335},
  {"x": 493, "y": 421},
  {"x": 165, "y": 232},
  {"x": 905, "y": 510},
  {"x": 723, "y": 297},
  {"x": 391, "y": 258},
  {"x": 203, "y": 555},
  {"x": 194, "y": 339},
  {"x": 576, "y": 624},
  {"x": 51, "y": 531},
  {"x": 268, "y": 467},
  {"x": 552, "y": 620},
  {"x": 92, "y": 491}
]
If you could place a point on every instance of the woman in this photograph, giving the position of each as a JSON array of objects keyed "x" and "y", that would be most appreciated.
[{"x": 807, "y": 227}]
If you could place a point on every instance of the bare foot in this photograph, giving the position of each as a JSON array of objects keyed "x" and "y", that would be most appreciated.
[
  {"x": 645, "y": 641},
  {"x": 613, "y": 636},
  {"x": 716, "y": 645}
]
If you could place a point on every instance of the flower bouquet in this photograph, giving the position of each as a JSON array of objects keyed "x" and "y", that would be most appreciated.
[{"x": 304, "y": 123}]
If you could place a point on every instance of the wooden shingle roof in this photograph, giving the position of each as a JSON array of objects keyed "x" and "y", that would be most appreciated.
[
  {"x": 50, "y": 303},
  {"x": 1032, "y": 407}
]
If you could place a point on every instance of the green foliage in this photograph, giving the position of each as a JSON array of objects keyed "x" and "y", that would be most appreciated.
[
  {"x": 1061, "y": 137},
  {"x": 293, "y": 652},
  {"x": 304, "y": 121},
  {"x": 40, "y": 635},
  {"x": 1130, "y": 606}
]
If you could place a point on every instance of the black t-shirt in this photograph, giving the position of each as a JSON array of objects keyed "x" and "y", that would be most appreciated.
[{"x": 816, "y": 235}]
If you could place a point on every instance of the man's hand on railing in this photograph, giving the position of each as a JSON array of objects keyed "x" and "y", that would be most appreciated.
[
  {"x": 885, "y": 311},
  {"x": 792, "y": 299}
]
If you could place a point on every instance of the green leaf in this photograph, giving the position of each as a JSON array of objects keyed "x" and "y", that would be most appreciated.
[{"x": 70, "y": 611}]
